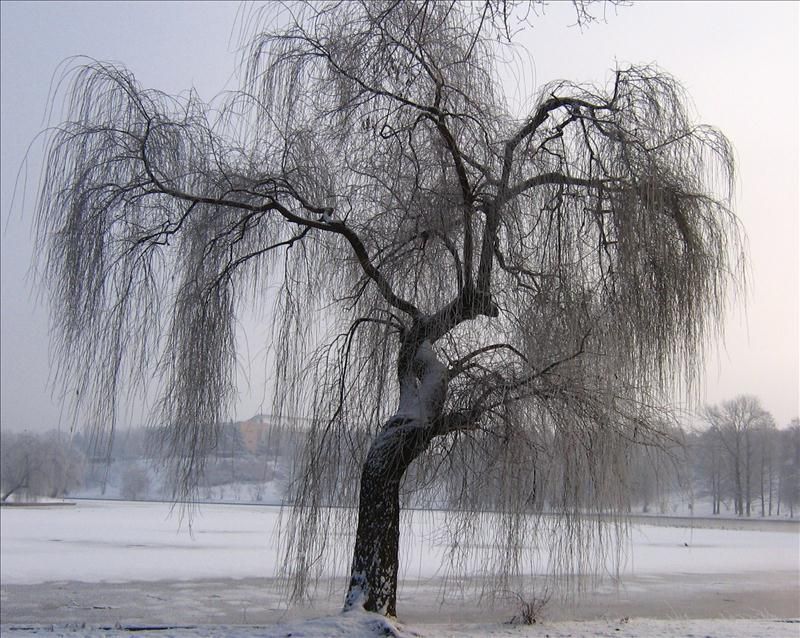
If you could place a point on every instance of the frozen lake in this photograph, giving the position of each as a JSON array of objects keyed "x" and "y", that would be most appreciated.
[{"x": 122, "y": 562}]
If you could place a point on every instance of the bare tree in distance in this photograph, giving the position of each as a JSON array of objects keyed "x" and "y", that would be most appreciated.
[
  {"x": 737, "y": 424},
  {"x": 457, "y": 287},
  {"x": 23, "y": 467},
  {"x": 712, "y": 467},
  {"x": 789, "y": 468},
  {"x": 34, "y": 466},
  {"x": 135, "y": 482}
]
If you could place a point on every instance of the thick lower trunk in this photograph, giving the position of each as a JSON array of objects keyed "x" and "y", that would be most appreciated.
[
  {"x": 373, "y": 580},
  {"x": 423, "y": 389}
]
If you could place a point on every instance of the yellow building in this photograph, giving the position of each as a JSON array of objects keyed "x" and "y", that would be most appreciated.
[{"x": 254, "y": 431}]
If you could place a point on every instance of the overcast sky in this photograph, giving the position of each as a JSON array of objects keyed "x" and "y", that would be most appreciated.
[{"x": 739, "y": 63}]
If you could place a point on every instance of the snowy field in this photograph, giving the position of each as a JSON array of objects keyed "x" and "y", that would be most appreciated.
[{"x": 97, "y": 568}]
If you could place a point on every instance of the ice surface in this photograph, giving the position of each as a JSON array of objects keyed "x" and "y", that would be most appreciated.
[
  {"x": 138, "y": 563},
  {"x": 97, "y": 541}
]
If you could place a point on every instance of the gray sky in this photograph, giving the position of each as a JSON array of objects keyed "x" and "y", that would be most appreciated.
[{"x": 739, "y": 63}]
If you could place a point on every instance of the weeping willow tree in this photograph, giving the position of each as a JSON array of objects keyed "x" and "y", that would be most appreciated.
[{"x": 493, "y": 304}]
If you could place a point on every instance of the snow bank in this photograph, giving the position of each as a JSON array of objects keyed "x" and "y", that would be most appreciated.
[{"x": 364, "y": 625}]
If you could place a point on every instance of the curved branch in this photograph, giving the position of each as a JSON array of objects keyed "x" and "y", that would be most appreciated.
[
  {"x": 552, "y": 179},
  {"x": 468, "y": 419},
  {"x": 327, "y": 224},
  {"x": 539, "y": 118},
  {"x": 459, "y": 366}
]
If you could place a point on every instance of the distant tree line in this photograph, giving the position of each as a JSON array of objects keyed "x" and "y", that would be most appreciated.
[
  {"x": 744, "y": 460},
  {"x": 737, "y": 461},
  {"x": 56, "y": 463},
  {"x": 733, "y": 460}
]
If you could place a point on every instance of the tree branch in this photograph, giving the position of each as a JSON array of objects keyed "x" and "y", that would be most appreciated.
[{"x": 458, "y": 366}]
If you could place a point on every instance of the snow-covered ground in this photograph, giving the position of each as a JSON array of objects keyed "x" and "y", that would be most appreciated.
[{"x": 120, "y": 564}]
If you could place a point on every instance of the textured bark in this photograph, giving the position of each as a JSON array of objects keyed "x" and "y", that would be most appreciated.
[
  {"x": 423, "y": 389},
  {"x": 373, "y": 580}
]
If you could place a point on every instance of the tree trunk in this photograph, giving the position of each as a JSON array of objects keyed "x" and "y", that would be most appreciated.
[
  {"x": 373, "y": 575},
  {"x": 770, "y": 480},
  {"x": 373, "y": 580},
  {"x": 748, "y": 470},
  {"x": 763, "y": 491},
  {"x": 738, "y": 468}
]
